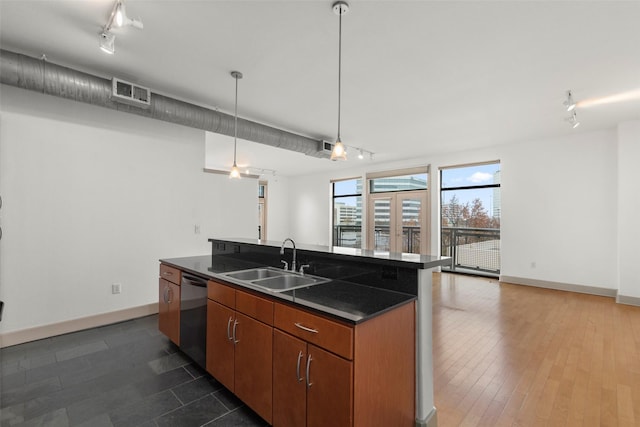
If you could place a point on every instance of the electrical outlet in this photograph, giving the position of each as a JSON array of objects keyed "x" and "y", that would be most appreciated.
[
  {"x": 533, "y": 264},
  {"x": 196, "y": 229},
  {"x": 116, "y": 288}
]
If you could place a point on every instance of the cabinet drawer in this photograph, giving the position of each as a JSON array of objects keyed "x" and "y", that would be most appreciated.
[
  {"x": 223, "y": 294},
  {"x": 325, "y": 333},
  {"x": 169, "y": 273},
  {"x": 254, "y": 306}
]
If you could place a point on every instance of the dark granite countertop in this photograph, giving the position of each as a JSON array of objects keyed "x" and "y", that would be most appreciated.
[{"x": 341, "y": 299}]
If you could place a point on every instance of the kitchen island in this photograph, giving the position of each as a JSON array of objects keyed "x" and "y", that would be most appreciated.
[{"x": 361, "y": 285}]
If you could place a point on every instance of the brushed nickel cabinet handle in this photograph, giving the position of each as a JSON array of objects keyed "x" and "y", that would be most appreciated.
[
  {"x": 304, "y": 328},
  {"x": 229, "y": 328},
  {"x": 235, "y": 325},
  {"x": 165, "y": 295},
  {"x": 309, "y": 383},
  {"x": 167, "y": 273},
  {"x": 169, "y": 292},
  {"x": 298, "y": 377}
]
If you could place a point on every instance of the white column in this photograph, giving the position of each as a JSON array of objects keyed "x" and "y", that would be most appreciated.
[{"x": 425, "y": 405}]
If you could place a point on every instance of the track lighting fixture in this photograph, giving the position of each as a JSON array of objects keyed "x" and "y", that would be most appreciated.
[
  {"x": 339, "y": 151},
  {"x": 108, "y": 42},
  {"x": 573, "y": 120},
  {"x": 117, "y": 19},
  {"x": 260, "y": 171},
  {"x": 569, "y": 104},
  {"x": 361, "y": 151},
  {"x": 235, "y": 172}
]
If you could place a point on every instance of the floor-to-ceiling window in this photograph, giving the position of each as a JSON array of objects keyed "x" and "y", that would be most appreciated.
[
  {"x": 347, "y": 212},
  {"x": 470, "y": 216},
  {"x": 398, "y": 211}
]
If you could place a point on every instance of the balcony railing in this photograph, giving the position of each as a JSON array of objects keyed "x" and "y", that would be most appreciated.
[
  {"x": 351, "y": 236},
  {"x": 475, "y": 249}
]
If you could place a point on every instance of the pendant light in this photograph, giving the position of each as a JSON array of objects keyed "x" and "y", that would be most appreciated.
[
  {"x": 339, "y": 151},
  {"x": 235, "y": 172}
]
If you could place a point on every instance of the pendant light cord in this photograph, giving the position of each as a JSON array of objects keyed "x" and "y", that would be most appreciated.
[
  {"x": 235, "y": 132},
  {"x": 339, "y": 69}
]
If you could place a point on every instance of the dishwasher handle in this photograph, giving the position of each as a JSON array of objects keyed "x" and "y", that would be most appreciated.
[{"x": 194, "y": 280}]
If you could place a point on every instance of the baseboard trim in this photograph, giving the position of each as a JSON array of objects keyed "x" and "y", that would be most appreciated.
[
  {"x": 430, "y": 421},
  {"x": 47, "y": 331},
  {"x": 559, "y": 286},
  {"x": 627, "y": 300}
]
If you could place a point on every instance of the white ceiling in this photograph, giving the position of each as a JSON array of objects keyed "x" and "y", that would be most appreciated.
[{"x": 418, "y": 77}]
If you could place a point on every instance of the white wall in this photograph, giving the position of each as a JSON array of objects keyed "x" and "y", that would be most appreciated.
[
  {"x": 558, "y": 210},
  {"x": 629, "y": 208},
  {"x": 93, "y": 196},
  {"x": 558, "y": 206},
  {"x": 278, "y": 186}
]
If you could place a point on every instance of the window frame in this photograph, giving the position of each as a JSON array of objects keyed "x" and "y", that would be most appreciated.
[{"x": 341, "y": 196}]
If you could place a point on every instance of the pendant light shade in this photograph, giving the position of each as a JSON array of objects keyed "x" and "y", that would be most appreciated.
[
  {"x": 339, "y": 151},
  {"x": 235, "y": 172}
]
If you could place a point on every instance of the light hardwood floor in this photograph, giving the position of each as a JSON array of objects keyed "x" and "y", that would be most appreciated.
[{"x": 512, "y": 355}]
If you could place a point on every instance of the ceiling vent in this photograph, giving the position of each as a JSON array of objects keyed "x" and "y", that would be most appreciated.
[
  {"x": 326, "y": 147},
  {"x": 131, "y": 94}
]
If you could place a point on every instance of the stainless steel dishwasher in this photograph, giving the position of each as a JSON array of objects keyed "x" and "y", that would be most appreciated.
[{"x": 193, "y": 318}]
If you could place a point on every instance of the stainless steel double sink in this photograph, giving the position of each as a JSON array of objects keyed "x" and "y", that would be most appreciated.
[{"x": 274, "y": 280}]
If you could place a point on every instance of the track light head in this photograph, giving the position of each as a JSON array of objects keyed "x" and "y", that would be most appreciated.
[
  {"x": 573, "y": 120},
  {"x": 122, "y": 20},
  {"x": 107, "y": 42},
  {"x": 569, "y": 104}
]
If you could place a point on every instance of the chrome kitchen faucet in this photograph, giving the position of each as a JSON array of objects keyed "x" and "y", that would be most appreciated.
[{"x": 293, "y": 262}]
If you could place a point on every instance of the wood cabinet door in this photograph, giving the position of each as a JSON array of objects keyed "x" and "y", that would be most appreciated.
[
  {"x": 220, "y": 348},
  {"x": 169, "y": 310},
  {"x": 289, "y": 386},
  {"x": 174, "y": 313},
  {"x": 330, "y": 395},
  {"x": 253, "y": 365},
  {"x": 163, "y": 306}
]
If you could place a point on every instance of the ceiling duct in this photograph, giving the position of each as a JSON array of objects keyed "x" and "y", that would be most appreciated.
[{"x": 45, "y": 77}]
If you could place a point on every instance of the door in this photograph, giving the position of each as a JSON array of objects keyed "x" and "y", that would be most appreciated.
[
  {"x": 329, "y": 389},
  {"x": 253, "y": 365},
  {"x": 398, "y": 222},
  {"x": 220, "y": 346},
  {"x": 289, "y": 387},
  {"x": 411, "y": 229}
]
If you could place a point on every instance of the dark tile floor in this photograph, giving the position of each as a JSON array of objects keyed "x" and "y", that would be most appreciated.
[{"x": 125, "y": 374}]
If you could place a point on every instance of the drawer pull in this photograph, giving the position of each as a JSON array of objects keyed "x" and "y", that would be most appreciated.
[
  {"x": 309, "y": 383},
  {"x": 298, "y": 377},
  {"x": 168, "y": 273},
  {"x": 304, "y": 328},
  {"x": 229, "y": 329}
]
